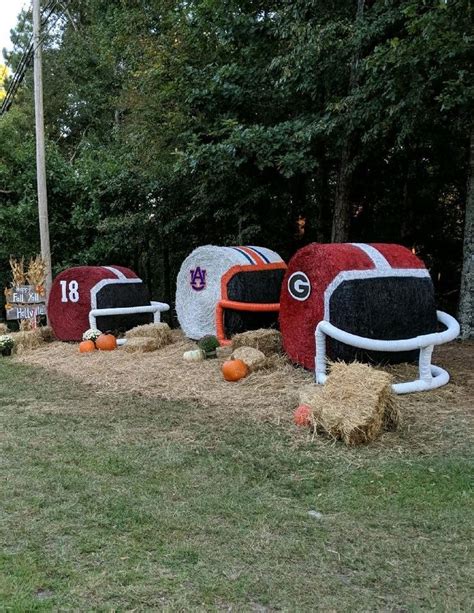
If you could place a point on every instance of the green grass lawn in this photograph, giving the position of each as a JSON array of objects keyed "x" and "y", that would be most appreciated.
[{"x": 111, "y": 502}]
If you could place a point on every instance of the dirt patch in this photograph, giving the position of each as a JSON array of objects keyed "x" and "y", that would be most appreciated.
[{"x": 268, "y": 394}]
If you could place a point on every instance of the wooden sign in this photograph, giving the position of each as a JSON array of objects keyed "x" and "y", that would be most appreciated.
[
  {"x": 25, "y": 312},
  {"x": 24, "y": 294},
  {"x": 25, "y": 302}
]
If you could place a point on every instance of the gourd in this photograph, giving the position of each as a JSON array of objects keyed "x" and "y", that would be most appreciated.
[
  {"x": 194, "y": 355},
  {"x": 302, "y": 415},
  {"x": 86, "y": 346},
  {"x": 208, "y": 344},
  {"x": 106, "y": 342},
  {"x": 234, "y": 370}
]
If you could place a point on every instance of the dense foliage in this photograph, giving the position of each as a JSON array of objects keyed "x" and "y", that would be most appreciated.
[{"x": 173, "y": 124}]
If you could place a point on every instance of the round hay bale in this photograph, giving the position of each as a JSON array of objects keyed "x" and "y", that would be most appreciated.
[
  {"x": 161, "y": 332},
  {"x": 250, "y": 276},
  {"x": 77, "y": 290},
  {"x": 267, "y": 341},
  {"x": 252, "y": 357},
  {"x": 377, "y": 291}
]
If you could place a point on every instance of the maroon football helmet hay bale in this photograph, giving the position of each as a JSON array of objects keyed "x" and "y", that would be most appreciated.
[{"x": 77, "y": 290}]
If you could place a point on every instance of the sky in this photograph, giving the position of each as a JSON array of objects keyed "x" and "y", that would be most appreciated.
[{"x": 9, "y": 10}]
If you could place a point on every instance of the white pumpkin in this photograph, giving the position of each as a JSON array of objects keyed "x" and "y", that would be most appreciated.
[{"x": 195, "y": 355}]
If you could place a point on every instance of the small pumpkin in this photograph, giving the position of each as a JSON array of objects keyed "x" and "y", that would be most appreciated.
[
  {"x": 106, "y": 342},
  {"x": 86, "y": 346},
  {"x": 302, "y": 415},
  {"x": 194, "y": 355},
  {"x": 234, "y": 370}
]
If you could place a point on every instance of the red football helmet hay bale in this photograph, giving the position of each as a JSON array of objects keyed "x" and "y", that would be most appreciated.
[
  {"x": 225, "y": 290},
  {"x": 377, "y": 291},
  {"x": 77, "y": 290}
]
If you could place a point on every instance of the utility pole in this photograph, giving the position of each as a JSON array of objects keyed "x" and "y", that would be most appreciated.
[{"x": 40, "y": 152}]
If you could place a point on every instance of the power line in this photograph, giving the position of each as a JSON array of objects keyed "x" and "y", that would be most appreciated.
[
  {"x": 21, "y": 69},
  {"x": 28, "y": 54}
]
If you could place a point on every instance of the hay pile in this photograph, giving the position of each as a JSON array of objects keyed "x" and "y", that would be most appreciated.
[
  {"x": 27, "y": 340},
  {"x": 4, "y": 329},
  {"x": 266, "y": 341},
  {"x": 47, "y": 334},
  {"x": 254, "y": 358},
  {"x": 268, "y": 394},
  {"x": 149, "y": 337},
  {"x": 429, "y": 419},
  {"x": 355, "y": 405}
]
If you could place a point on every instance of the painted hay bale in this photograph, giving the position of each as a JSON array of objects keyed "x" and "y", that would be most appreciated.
[
  {"x": 227, "y": 290},
  {"x": 267, "y": 341},
  {"x": 254, "y": 358},
  {"x": 355, "y": 405},
  {"x": 377, "y": 291},
  {"x": 160, "y": 332},
  {"x": 142, "y": 344},
  {"x": 76, "y": 291}
]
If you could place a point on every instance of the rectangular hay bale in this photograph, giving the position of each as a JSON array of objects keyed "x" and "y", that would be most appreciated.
[
  {"x": 160, "y": 332},
  {"x": 141, "y": 344},
  {"x": 268, "y": 341},
  {"x": 355, "y": 405}
]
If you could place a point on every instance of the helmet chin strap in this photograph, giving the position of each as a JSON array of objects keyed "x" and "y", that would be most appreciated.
[{"x": 430, "y": 376}]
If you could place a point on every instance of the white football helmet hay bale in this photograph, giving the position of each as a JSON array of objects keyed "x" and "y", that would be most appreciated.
[
  {"x": 252, "y": 357},
  {"x": 355, "y": 405},
  {"x": 226, "y": 290}
]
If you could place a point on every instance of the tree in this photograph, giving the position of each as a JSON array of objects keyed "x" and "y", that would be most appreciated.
[
  {"x": 341, "y": 221},
  {"x": 466, "y": 303},
  {"x": 3, "y": 78},
  {"x": 171, "y": 124}
]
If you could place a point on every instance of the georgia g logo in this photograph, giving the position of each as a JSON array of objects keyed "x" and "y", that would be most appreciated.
[
  {"x": 299, "y": 286},
  {"x": 198, "y": 278}
]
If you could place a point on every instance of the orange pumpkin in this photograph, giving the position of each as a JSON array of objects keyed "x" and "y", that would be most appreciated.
[
  {"x": 106, "y": 342},
  {"x": 302, "y": 415},
  {"x": 234, "y": 370},
  {"x": 86, "y": 346}
]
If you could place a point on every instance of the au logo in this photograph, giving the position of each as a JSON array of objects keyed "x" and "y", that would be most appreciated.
[
  {"x": 299, "y": 286},
  {"x": 198, "y": 278}
]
